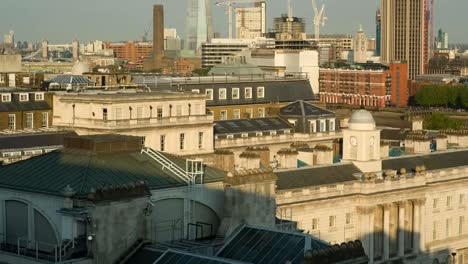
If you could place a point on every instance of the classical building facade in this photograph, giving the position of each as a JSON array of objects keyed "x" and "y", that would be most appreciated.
[
  {"x": 410, "y": 208},
  {"x": 173, "y": 122}
]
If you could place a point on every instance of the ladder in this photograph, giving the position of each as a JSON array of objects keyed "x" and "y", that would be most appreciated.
[{"x": 169, "y": 165}]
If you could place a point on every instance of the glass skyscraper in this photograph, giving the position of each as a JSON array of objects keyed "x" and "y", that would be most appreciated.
[{"x": 198, "y": 28}]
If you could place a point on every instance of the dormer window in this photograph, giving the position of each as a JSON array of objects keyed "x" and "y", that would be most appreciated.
[
  {"x": 244, "y": 135},
  {"x": 39, "y": 96},
  {"x": 6, "y": 97},
  {"x": 24, "y": 97},
  {"x": 272, "y": 133},
  {"x": 230, "y": 136}
]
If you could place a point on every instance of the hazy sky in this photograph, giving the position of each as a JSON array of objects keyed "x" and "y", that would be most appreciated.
[{"x": 113, "y": 20}]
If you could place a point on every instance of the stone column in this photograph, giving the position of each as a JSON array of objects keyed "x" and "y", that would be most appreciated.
[
  {"x": 366, "y": 216},
  {"x": 386, "y": 233},
  {"x": 401, "y": 229},
  {"x": 418, "y": 229},
  {"x": 371, "y": 236}
]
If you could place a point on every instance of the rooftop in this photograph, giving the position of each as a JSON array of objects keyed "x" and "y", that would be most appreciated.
[
  {"x": 250, "y": 125},
  {"x": 302, "y": 108},
  {"x": 84, "y": 171},
  {"x": 32, "y": 140}
]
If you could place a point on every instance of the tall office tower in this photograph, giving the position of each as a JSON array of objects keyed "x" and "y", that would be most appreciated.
[
  {"x": 360, "y": 47},
  {"x": 251, "y": 21},
  {"x": 45, "y": 49},
  {"x": 198, "y": 28},
  {"x": 378, "y": 32},
  {"x": 441, "y": 41},
  {"x": 404, "y": 34},
  {"x": 158, "y": 36}
]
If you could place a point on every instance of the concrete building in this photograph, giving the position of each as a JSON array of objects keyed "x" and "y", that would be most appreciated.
[
  {"x": 343, "y": 42},
  {"x": 289, "y": 62},
  {"x": 172, "y": 122},
  {"x": 404, "y": 34},
  {"x": 172, "y": 41},
  {"x": 287, "y": 30},
  {"x": 219, "y": 51},
  {"x": 376, "y": 86},
  {"x": 251, "y": 21},
  {"x": 360, "y": 46},
  {"x": 22, "y": 109},
  {"x": 10, "y": 63}
]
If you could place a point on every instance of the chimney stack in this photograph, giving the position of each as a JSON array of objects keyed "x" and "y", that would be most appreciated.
[{"x": 158, "y": 36}]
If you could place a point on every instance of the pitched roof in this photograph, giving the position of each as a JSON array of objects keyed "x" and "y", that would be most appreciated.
[
  {"x": 259, "y": 245},
  {"x": 302, "y": 108},
  {"x": 433, "y": 161},
  {"x": 314, "y": 176},
  {"x": 250, "y": 125},
  {"x": 63, "y": 79},
  {"x": 84, "y": 171},
  {"x": 26, "y": 141}
]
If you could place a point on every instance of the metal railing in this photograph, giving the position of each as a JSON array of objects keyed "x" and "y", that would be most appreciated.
[
  {"x": 38, "y": 250},
  {"x": 168, "y": 164}
]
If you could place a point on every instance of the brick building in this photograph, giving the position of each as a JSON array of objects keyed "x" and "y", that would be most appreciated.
[
  {"x": 24, "y": 109},
  {"x": 133, "y": 52},
  {"x": 369, "y": 85}
]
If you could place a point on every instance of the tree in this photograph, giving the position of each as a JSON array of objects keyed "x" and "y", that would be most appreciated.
[{"x": 438, "y": 121}]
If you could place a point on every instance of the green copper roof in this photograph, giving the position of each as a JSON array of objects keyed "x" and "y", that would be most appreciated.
[{"x": 52, "y": 172}]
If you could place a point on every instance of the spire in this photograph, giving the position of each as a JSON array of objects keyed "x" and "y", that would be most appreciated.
[{"x": 360, "y": 28}]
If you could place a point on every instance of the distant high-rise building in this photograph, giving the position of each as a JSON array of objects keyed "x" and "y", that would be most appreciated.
[
  {"x": 198, "y": 28},
  {"x": 294, "y": 29},
  {"x": 378, "y": 32},
  {"x": 441, "y": 41},
  {"x": 251, "y": 21},
  {"x": 76, "y": 50},
  {"x": 404, "y": 34},
  {"x": 9, "y": 39},
  {"x": 360, "y": 47},
  {"x": 171, "y": 39}
]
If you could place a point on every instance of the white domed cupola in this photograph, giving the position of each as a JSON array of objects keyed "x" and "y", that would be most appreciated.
[{"x": 361, "y": 142}]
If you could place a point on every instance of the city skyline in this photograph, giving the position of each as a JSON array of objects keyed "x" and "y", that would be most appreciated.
[{"x": 128, "y": 21}]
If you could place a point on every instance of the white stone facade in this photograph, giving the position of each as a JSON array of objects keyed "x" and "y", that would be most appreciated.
[{"x": 176, "y": 123}]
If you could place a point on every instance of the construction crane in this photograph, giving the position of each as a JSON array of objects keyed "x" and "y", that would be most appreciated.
[
  {"x": 290, "y": 18},
  {"x": 230, "y": 4},
  {"x": 319, "y": 18}
]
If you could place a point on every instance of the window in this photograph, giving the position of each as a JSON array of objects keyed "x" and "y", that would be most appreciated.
[
  {"x": 449, "y": 201},
  {"x": 230, "y": 136},
  {"x": 244, "y": 135},
  {"x": 104, "y": 114},
  {"x": 39, "y": 96},
  {"x": 435, "y": 203},
  {"x": 235, "y": 93},
  {"x": 182, "y": 141},
  {"x": 159, "y": 113},
  {"x": 139, "y": 112},
  {"x": 29, "y": 120},
  {"x": 196, "y": 91},
  {"x": 332, "y": 125},
  {"x": 322, "y": 125},
  {"x": 162, "y": 142},
  {"x": 272, "y": 133},
  {"x": 236, "y": 114},
  {"x": 2, "y": 78},
  {"x": 461, "y": 223},
  {"x": 248, "y": 113},
  {"x": 178, "y": 110},
  {"x": 258, "y": 134},
  {"x": 222, "y": 94},
  {"x": 12, "y": 121},
  {"x": 6, "y": 97},
  {"x": 26, "y": 80},
  {"x": 448, "y": 227},
  {"x": 45, "y": 119},
  {"x": 200, "y": 140},
  {"x": 313, "y": 129},
  {"x": 223, "y": 115},
  {"x": 260, "y": 92},
  {"x": 332, "y": 221},
  {"x": 292, "y": 122},
  {"x": 24, "y": 97},
  {"x": 248, "y": 92},
  {"x": 434, "y": 230},
  {"x": 462, "y": 199},
  {"x": 349, "y": 218},
  {"x": 261, "y": 112},
  {"x": 315, "y": 224},
  {"x": 209, "y": 94}
]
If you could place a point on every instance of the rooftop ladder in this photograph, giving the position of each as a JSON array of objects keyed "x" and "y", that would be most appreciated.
[{"x": 168, "y": 164}]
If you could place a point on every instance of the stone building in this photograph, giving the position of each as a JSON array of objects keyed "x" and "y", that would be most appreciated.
[
  {"x": 173, "y": 122},
  {"x": 409, "y": 208}
]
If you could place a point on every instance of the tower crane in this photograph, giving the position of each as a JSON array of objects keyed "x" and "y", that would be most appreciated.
[
  {"x": 229, "y": 4},
  {"x": 319, "y": 18}
]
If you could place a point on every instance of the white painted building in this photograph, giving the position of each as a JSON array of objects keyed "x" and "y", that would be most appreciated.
[
  {"x": 251, "y": 21},
  {"x": 172, "y": 122},
  {"x": 305, "y": 61}
]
